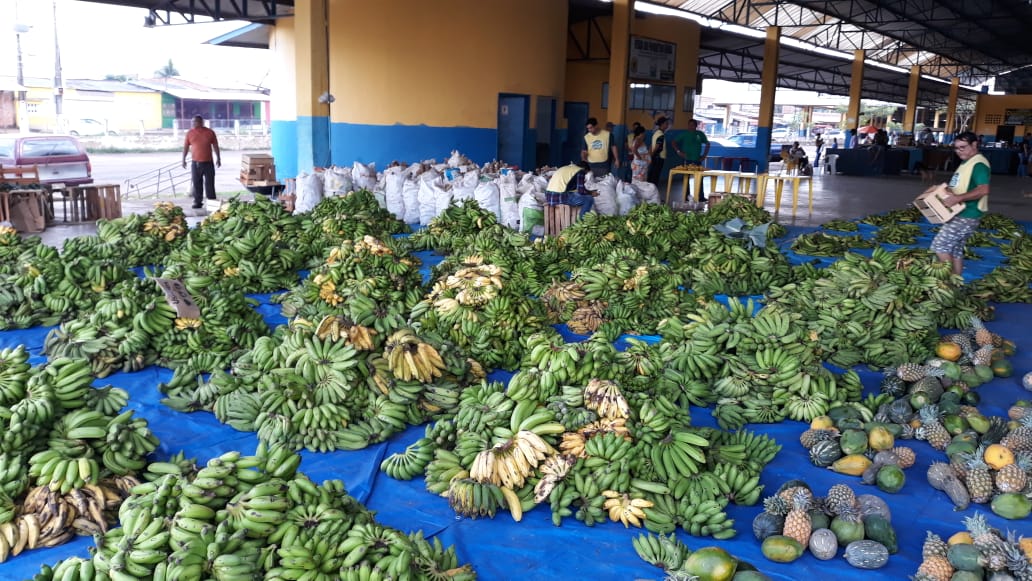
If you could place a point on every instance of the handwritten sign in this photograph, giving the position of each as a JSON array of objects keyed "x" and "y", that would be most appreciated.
[{"x": 179, "y": 298}]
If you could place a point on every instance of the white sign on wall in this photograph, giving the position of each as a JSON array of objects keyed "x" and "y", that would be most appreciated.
[{"x": 652, "y": 60}]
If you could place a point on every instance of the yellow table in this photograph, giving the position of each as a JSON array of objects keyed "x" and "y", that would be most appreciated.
[
  {"x": 693, "y": 174},
  {"x": 745, "y": 185},
  {"x": 713, "y": 174},
  {"x": 779, "y": 185}
]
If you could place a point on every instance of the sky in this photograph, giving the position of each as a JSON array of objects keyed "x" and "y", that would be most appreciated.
[{"x": 100, "y": 39}]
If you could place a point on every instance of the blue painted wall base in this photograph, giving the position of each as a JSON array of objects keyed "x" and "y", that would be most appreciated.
[{"x": 382, "y": 144}]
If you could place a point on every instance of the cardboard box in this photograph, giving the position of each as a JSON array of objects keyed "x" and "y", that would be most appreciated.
[
  {"x": 257, "y": 167},
  {"x": 25, "y": 213},
  {"x": 931, "y": 205}
]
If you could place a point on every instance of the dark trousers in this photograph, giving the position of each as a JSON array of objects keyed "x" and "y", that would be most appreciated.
[
  {"x": 655, "y": 170},
  {"x": 203, "y": 173}
]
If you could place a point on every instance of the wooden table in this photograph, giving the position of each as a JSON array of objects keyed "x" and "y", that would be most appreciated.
[{"x": 779, "y": 185}]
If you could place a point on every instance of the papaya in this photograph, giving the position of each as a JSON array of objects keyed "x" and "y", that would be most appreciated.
[
  {"x": 1008, "y": 347},
  {"x": 890, "y": 478},
  {"x": 965, "y": 557},
  {"x": 877, "y": 528},
  {"x": 971, "y": 398},
  {"x": 880, "y": 438},
  {"x": 1002, "y": 368},
  {"x": 968, "y": 576},
  {"x": 711, "y": 564},
  {"x": 960, "y": 447},
  {"x": 1011, "y": 505},
  {"x": 948, "y": 350},
  {"x": 997, "y": 456},
  {"x": 895, "y": 429},
  {"x": 781, "y": 549},
  {"x": 853, "y": 464},
  {"x": 841, "y": 412},
  {"x": 978, "y": 423},
  {"x": 984, "y": 372},
  {"x": 954, "y": 424},
  {"x": 750, "y": 576}
]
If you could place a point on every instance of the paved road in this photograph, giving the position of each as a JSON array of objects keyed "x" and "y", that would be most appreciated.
[{"x": 117, "y": 168}]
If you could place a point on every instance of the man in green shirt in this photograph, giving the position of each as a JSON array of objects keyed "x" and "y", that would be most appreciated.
[
  {"x": 970, "y": 186},
  {"x": 692, "y": 145}
]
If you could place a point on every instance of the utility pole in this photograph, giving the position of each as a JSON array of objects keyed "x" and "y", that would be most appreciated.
[
  {"x": 58, "y": 82},
  {"x": 19, "y": 29}
]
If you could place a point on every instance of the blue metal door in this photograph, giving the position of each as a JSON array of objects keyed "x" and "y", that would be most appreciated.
[
  {"x": 512, "y": 129},
  {"x": 576, "y": 113}
]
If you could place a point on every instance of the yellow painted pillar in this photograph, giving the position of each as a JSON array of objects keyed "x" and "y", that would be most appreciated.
[
  {"x": 910, "y": 115},
  {"x": 856, "y": 84},
  {"x": 951, "y": 107},
  {"x": 619, "y": 50},
  {"x": 768, "y": 87},
  {"x": 935, "y": 123},
  {"x": 312, "y": 70}
]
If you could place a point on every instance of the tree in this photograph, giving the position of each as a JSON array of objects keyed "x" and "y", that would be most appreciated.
[
  {"x": 122, "y": 78},
  {"x": 169, "y": 70}
]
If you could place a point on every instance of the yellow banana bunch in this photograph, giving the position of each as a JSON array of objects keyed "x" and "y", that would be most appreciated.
[
  {"x": 622, "y": 508},
  {"x": 184, "y": 323},
  {"x": 604, "y": 398}
]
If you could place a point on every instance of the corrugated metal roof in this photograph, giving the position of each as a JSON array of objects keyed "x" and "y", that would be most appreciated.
[
  {"x": 105, "y": 85},
  {"x": 183, "y": 89}
]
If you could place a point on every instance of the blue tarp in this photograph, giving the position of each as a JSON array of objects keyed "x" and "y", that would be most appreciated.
[{"x": 500, "y": 549}]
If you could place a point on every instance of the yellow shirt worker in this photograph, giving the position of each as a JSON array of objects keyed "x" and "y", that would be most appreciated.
[{"x": 598, "y": 147}]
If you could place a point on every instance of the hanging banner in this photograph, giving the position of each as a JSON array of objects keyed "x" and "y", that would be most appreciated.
[
  {"x": 1017, "y": 117},
  {"x": 652, "y": 60}
]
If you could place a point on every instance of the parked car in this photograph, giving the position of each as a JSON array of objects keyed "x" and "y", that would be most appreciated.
[
  {"x": 781, "y": 134},
  {"x": 60, "y": 159},
  {"x": 88, "y": 127},
  {"x": 749, "y": 140},
  {"x": 836, "y": 134},
  {"x": 724, "y": 142}
]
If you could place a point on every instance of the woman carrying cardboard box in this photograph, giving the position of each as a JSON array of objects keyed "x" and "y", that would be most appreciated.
[{"x": 970, "y": 186}]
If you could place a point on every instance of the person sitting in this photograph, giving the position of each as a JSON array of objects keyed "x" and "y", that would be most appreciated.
[
  {"x": 567, "y": 187},
  {"x": 799, "y": 160}
]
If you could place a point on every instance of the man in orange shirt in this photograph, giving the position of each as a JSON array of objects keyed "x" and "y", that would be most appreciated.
[{"x": 200, "y": 142}]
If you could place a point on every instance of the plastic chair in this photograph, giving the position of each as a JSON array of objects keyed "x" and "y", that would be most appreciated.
[{"x": 831, "y": 163}]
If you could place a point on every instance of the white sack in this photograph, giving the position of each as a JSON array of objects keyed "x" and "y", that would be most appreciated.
[
  {"x": 309, "y": 192},
  {"x": 442, "y": 198},
  {"x": 488, "y": 197},
  {"x": 648, "y": 193},
  {"x": 429, "y": 182},
  {"x": 508, "y": 201},
  {"x": 605, "y": 202},
  {"x": 626, "y": 197},
  {"x": 363, "y": 176},
  {"x": 532, "y": 215},
  {"x": 395, "y": 183},
  {"x": 465, "y": 187},
  {"x": 410, "y": 201},
  {"x": 337, "y": 181}
]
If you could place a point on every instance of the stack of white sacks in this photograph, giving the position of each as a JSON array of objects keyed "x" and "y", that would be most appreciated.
[{"x": 419, "y": 192}]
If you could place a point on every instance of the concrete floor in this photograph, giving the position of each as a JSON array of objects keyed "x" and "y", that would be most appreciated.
[{"x": 844, "y": 197}]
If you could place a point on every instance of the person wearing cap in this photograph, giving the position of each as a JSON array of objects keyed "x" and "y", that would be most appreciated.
[
  {"x": 598, "y": 147},
  {"x": 658, "y": 150}
]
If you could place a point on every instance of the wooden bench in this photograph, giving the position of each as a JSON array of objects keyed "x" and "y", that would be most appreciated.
[
  {"x": 19, "y": 175},
  {"x": 559, "y": 218}
]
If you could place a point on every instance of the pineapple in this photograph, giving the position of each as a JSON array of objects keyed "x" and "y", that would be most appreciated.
[
  {"x": 959, "y": 465},
  {"x": 979, "y": 479},
  {"x": 997, "y": 430},
  {"x": 811, "y": 437},
  {"x": 934, "y": 546},
  {"x": 1017, "y": 412},
  {"x": 987, "y": 541},
  {"x": 1020, "y": 439},
  {"x": 776, "y": 505},
  {"x": 840, "y": 496},
  {"x": 931, "y": 429},
  {"x": 983, "y": 336},
  {"x": 906, "y": 456},
  {"x": 936, "y": 567},
  {"x": 911, "y": 372},
  {"x": 797, "y": 523},
  {"x": 1019, "y": 565},
  {"x": 1011, "y": 478},
  {"x": 983, "y": 356},
  {"x": 962, "y": 340}
]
